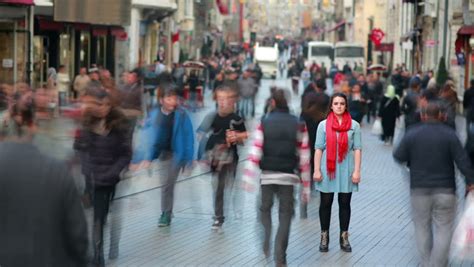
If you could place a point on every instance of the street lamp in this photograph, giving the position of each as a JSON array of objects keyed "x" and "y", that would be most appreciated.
[{"x": 471, "y": 42}]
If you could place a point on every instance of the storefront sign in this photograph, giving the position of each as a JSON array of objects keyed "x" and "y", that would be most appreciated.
[
  {"x": 461, "y": 59},
  {"x": 103, "y": 12},
  {"x": 385, "y": 47},
  {"x": 431, "y": 43},
  {"x": 408, "y": 45},
  {"x": 376, "y": 36},
  {"x": 7, "y": 63}
]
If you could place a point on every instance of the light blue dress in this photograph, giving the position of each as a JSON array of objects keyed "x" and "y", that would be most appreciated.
[{"x": 343, "y": 181}]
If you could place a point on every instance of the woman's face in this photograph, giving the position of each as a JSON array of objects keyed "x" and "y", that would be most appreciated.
[
  {"x": 338, "y": 105},
  {"x": 98, "y": 108}
]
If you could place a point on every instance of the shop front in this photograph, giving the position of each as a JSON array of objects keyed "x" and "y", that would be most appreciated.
[
  {"x": 15, "y": 45},
  {"x": 464, "y": 48}
]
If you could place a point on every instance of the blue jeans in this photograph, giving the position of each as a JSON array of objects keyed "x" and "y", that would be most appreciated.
[
  {"x": 247, "y": 106},
  {"x": 63, "y": 99}
]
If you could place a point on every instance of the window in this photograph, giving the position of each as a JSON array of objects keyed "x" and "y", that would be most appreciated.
[
  {"x": 321, "y": 51},
  {"x": 350, "y": 52},
  {"x": 188, "y": 8}
]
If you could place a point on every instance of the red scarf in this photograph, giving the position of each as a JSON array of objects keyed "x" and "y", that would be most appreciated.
[{"x": 333, "y": 143}]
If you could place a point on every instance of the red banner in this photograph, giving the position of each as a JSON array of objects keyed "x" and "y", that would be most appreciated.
[
  {"x": 223, "y": 6},
  {"x": 175, "y": 37},
  {"x": 18, "y": 2}
]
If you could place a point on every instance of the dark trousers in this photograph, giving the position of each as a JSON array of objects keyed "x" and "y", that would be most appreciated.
[
  {"x": 101, "y": 199},
  {"x": 344, "y": 200},
  {"x": 225, "y": 176},
  {"x": 371, "y": 110},
  {"x": 285, "y": 214}
]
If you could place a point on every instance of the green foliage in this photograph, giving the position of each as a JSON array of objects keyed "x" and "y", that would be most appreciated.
[{"x": 442, "y": 74}]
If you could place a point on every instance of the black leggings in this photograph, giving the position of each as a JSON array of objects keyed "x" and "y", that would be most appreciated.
[{"x": 344, "y": 200}]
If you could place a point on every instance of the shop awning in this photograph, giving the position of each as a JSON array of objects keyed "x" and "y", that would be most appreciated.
[
  {"x": 466, "y": 30},
  {"x": 81, "y": 26},
  {"x": 99, "y": 31},
  {"x": 119, "y": 33},
  {"x": 338, "y": 25},
  {"x": 17, "y": 2},
  {"x": 46, "y": 24}
]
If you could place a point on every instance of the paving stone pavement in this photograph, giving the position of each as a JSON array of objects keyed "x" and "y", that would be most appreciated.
[
  {"x": 381, "y": 231},
  {"x": 381, "y": 228}
]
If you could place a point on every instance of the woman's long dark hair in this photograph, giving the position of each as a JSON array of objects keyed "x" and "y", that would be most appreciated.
[{"x": 114, "y": 120}]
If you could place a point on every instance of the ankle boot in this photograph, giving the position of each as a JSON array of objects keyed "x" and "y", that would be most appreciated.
[
  {"x": 344, "y": 242},
  {"x": 98, "y": 255},
  {"x": 324, "y": 245}
]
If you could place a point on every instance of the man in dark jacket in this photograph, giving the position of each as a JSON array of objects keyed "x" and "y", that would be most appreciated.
[
  {"x": 410, "y": 103},
  {"x": 282, "y": 154},
  {"x": 432, "y": 148},
  {"x": 42, "y": 221},
  {"x": 468, "y": 103}
]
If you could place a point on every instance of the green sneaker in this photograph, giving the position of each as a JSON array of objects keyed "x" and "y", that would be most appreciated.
[{"x": 165, "y": 219}]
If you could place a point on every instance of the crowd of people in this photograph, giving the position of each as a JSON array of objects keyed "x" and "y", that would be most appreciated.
[{"x": 320, "y": 149}]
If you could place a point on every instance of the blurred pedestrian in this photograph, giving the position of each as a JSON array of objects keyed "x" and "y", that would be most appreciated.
[
  {"x": 178, "y": 73},
  {"x": 63, "y": 85},
  {"x": 294, "y": 75},
  {"x": 314, "y": 108},
  {"x": 51, "y": 80},
  {"x": 105, "y": 153},
  {"x": 389, "y": 112},
  {"x": 281, "y": 67},
  {"x": 43, "y": 223},
  {"x": 248, "y": 89},
  {"x": 306, "y": 77},
  {"x": 283, "y": 156},
  {"x": 449, "y": 97},
  {"x": 80, "y": 82},
  {"x": 409, "y": 105},
  {"x": 338, "y": 140},
  {"x": 357, "y": 103},
  {"x": 167, "y": 135},
  {"x": 346, "y": 69},
  {"x": 94, "y": 78},
  {"x": 468, "y": 99},
  {"x": 131, "y": 100},
  {"x": 432, "y": 148},
  {"x": 227, "y": 130},
  {"x": 159, "y": 67}
]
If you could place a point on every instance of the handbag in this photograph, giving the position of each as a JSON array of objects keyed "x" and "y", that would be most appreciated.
[
  {"x": 377, "y": 127},
  {"x": 462, "y": 244}
]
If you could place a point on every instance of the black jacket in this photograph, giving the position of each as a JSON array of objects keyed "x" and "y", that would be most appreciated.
[
  {"x": 42, "y": 222},
  {"x": 432, "y": 148},
  {"x": 103, "y": 157},
  {"x": 280, "y": 131}
]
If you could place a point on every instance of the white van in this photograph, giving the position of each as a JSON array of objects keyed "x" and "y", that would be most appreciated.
[
  {"x": 349, "y": 53},
  {"x": 320, "y": 52},
  {"x": 267, "y": 59}
]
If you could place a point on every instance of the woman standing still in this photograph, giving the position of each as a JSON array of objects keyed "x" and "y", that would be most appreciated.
[
  {"x": 389, "y": 112},
  {"x": 337, "y": 164}
]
